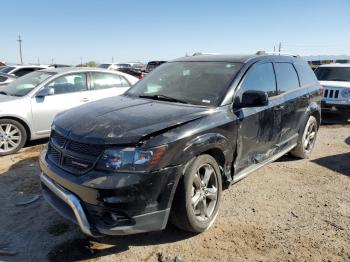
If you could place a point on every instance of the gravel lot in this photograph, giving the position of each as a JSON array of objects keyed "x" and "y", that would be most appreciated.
[{"x": 290, "y": 210}]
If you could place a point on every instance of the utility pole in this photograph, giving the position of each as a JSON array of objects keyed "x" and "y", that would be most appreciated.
[
  {"x": 274, "y": 48},
  {"x": 81, "y": 61},
  {"x": 20, "y": 48},
  {"x": 38, "y": 61},
  {"x": 112, "y": 59},
  {"x": 279, "y": 48},
  {"x": 52, "y": 61}
]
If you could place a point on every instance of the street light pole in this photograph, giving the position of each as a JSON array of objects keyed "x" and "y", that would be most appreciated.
[{"x": 20, "y": 48}]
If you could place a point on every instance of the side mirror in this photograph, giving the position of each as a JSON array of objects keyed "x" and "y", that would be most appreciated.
[
  {"x": 46, "y": 91},
  {"x": 253, "y": 98}
]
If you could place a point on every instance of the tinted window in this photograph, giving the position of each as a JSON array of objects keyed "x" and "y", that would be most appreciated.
[
  {"x": 200, "y": 83},
  {"x": 103, "y": 81},
  {"x": 3, "y": 78},
  {"x": 287, "y": 78},
  {"x": 261, "y": 78},
  {"x": 306, "y": 75},
  {"x": 24, "y": 71},
  {"x": 69, "y": 84},
  {"x": 333, "y": 73},
  {"x": 6, "y": 69}
]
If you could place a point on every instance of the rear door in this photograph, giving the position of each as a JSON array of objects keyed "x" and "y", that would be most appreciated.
[
  {"x": 70, "y": 91},
  {"x": 295, "y": 99},
  {"x": 105, "y": 85},
  {"x": 260, "y": 127}
]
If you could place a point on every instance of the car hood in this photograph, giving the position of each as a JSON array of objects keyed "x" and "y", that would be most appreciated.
[
  {"x": 335, "y": 83},
  {"x": 5, "y": 98},
  {"x": 124, "y": 120}
]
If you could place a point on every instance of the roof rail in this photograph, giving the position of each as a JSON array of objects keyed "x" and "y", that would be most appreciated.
[
  {"x": 276, "y": 53},
  {"x": 202, "y": 53}
]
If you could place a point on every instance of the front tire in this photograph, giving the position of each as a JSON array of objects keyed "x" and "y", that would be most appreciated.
[
  {"x": 197, "y": 199},
  {"x": 307, "y": 139},
  {"x": 12, "y": 136}
]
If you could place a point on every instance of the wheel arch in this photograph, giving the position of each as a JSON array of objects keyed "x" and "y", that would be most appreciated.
[
  {"x": 22, "y": 122},
  {"x": 215, "y": 145}
]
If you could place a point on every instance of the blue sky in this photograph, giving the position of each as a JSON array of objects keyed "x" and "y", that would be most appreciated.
[{"x": 154, "y": 29}]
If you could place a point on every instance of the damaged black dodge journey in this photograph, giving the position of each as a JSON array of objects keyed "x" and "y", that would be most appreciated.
[{"x": 166, "y": 148}]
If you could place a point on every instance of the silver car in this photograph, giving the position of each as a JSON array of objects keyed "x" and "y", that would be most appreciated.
[
  {"x": 5, "y": 79},
  {"x": 29, "y": 104}
]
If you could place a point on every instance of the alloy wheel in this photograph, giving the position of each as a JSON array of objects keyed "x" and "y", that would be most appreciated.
[
  {"x": 310, "y": 136},
  {"x": 204, "y": 192},
  {"x": 10, "y": 137}
]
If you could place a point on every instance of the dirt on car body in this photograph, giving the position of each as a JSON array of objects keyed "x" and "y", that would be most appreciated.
[{"x": 290, "y": 210}]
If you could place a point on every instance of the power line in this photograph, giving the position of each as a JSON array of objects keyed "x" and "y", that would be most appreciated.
[{"x": 20, "y": 48}]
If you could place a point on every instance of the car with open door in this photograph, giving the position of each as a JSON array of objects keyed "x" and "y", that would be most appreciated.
[
  {"x": 170, "y": 144},
  {"x": 29, "y": 104}
]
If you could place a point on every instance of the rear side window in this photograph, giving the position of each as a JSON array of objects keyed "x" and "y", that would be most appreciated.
[
  {"x": 3, "y": 78},
  {"x": 103, "y": 81},
  {"x": 306, "y": 75},
  {"x": 24, "y": 71},
  {"x": 287, "y": 78},
  {"x": 260, "y": 78}
]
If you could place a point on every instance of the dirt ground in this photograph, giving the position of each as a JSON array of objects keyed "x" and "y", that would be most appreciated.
[{"x": 290, "y": 210}]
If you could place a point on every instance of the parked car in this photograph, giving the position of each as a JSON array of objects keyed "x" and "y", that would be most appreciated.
[
  {"x": 152, "y": 65},
  {"x": 335, "y": 79},
  {"x": 138, "y": 67},
  {"x": 29, "y": 104},
  {"x": 21, "y": 70},
  {"x": 131, "y": 71},
  {"x": 6, "y": 79},
  {"x": 167, "y": 147},
  {"x": 105, "y": 65}
]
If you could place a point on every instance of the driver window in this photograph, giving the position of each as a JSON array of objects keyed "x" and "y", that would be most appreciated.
[
  {"x": 69, "y": 84},
  {"x": 260, "y": 78}
]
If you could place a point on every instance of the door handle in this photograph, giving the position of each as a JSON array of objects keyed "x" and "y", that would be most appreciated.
[{"x": 85, "y": 99}]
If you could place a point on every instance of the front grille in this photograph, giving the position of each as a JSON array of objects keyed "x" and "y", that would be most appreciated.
[
  {"x": 53, "y": 155},
  {"x": 331, "y": 93},
  {"x": 93, "y": 150},
  {"x": 76, "y": 165},
  {"x": 57, "y": 139},
  {"x": 72, "y": 156}
]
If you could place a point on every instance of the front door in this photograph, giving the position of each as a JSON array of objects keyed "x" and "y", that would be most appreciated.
[
  {"x": 69, "y": 91},
  {"x": 259, "y": 127}
]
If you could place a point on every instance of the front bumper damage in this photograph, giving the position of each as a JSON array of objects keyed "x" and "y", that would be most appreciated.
[{"x": 139, "y": 207}]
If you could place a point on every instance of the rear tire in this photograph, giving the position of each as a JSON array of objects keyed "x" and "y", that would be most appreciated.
[
  {"x": 197, "y": 199},
  {"x": 306, "y": 141},
  {"x": 13, "y": 136}
]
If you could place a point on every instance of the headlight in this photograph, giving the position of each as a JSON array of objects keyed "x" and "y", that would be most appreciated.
[
  {"x": 345, "y": 92},
  {"x": 131, "y": 159}
]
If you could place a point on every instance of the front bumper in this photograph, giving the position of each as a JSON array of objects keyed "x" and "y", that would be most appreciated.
[
  {"x": 335, "y": 107},
  {"x": 141, "y": 204}
]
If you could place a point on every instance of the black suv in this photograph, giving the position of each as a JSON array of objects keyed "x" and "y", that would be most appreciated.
[{"x": 170, "y": 144}]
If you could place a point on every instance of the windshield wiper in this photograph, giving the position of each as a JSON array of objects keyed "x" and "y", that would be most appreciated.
[
  {"x": 164, "y": 98},
  {"x": 3, "y": 93}
]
